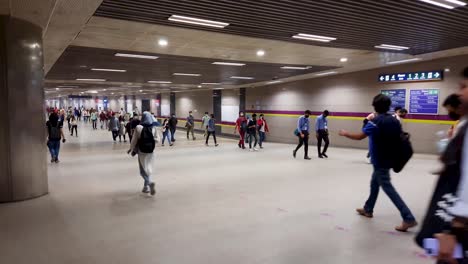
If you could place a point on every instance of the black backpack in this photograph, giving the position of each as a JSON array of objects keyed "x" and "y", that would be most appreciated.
[
  {"x": 54, "y": 132},
  {"x": 146, "y": 143},
  {"x": 395, "y": 144},
  {"x": 243, "y": 125}
]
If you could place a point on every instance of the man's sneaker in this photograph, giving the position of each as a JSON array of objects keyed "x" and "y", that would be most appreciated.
[
  {"x": 261, "y": 147},
  {"x": 363, "y": 212},
  {"x": 216, "y": 144},
  {"x": 57, "y": 160},
  {"x": 170, "y": 145},
  {"x": 255, "y": 149},
  {"x": 239, "y": 145},
  {"x": 324, "y": 155},
  {"x": 206, "y": 144},
  {"x": 320, "y": 156},
  {"x": 307, "y": 158},
  {"x": 152, "y": 188},
  {"x": 145, "y": 189},
  {"x": 162, "y": 145},
  {"x": 405, "y": 226},
  {"x": 52, "y": 160},
  {"x": 294, "y": 153}
]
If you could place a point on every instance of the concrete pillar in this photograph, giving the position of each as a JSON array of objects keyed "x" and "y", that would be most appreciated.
[
  {"x": 217, "y": 102},
  {"x": 242, "y": 95},
  {"x": 23, "y": 153},
  {"x": 173, "y": 103}
]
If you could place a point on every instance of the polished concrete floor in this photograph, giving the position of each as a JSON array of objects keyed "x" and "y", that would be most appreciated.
[{"x": 214, "y": 205}]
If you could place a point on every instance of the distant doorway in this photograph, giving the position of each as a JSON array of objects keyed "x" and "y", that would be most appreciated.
[{"x": 145, "y": 105}]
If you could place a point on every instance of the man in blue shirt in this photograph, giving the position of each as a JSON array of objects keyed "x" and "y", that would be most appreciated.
[
  {"x": 303, "y": 131},
  {"x": 382, "y": 131},
  {"x": 321, "y": 132}
]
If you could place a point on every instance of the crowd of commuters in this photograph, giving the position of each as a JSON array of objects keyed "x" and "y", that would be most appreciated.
[{"x": 446, "y": 218}]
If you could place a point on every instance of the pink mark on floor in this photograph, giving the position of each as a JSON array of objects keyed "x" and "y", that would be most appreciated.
[
  {"x": 391, "y": 233},
  {"x": 326, "y": 215},
  {"x": 340, "y": 228}
]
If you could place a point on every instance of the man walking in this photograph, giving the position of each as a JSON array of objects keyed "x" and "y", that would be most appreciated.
[
  {"x": 241, "y": 127},
  {"x": 252, "y": 130},
  {"x": 321, "y": 132},
  {"x": 173, "y": 126},
  {"x": 303, "y": 131},
  {"x": 190, "y": 125},
  {"x": 205, "y": 123},
  {"x": 383, "y": 131}
]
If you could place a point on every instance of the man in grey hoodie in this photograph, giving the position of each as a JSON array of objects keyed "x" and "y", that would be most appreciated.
[{"x": 114, "y": 126}]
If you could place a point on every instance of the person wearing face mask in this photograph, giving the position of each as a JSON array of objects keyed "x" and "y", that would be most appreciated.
[
  {"x": 190, "y": 125},
  {"x": 262, "y": 129},
  {"x": 321, "y": 130},
  {"x": 453, "y": 105},
  {"x": 173, "y": 126},
  {"x": 303, "y": 131},
  {"x": 205, "y": 123},
  {"x": 252, "y": 130},
  {"x": 241, "y": 127}
]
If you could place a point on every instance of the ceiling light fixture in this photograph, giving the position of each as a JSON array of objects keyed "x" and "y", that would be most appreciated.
[
  {"x": 92, "y": 80},
  {"x": 343, "y": 59},
  {"x": 228, "y": 63},
  {"x": 198, "y": 21},
  {"x": 67, "y": 86},
  {"x": 162, "y": 42},
  {"x": 447, "y": 70},
  {"x": 403, "y": 61},
  {"x": 219, "y": 88},
  {"x": 260, "y": 53},
  {"x": 272, "y": 82},
  {"x": 139, "y": 56},
  {"x": 211, "y": 83},
  {"x": 132, "y": 86},
  {"x": 108, "y": 70},
  {"x": 92, "y": 91},
  {"x": 57, "y": 88},
  {"x": 313, "y": 37},
  {"x": 294, "y": 68},
  {"x": 141, "y": 91},
  {"x": 199, "y": 86},
  {"x": 449, "y": 4},
  {"x": 242, "y": 77},
  {"x": 158, "y": 82},
  {"x": 186, "y": 74},
  {"x": 391, "y": 47},
  {"x": 325, "y": 73}
]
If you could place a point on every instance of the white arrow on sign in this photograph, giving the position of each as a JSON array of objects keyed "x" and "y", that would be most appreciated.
[
  {"x": 382, "y": 78},
  {"x": 437, "y": 75}
]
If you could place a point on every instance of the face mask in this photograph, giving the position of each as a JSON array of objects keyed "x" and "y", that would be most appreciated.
[
  {"x": 454, "y": 116},
  {"x": 306, "y": 116},
  {"x": 241, "y": 114}
]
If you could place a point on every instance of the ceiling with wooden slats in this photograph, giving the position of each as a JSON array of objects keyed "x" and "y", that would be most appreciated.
[{"x": 359, "y": 24}]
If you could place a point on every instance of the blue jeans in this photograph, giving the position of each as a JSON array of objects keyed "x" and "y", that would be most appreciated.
[
  {"x": 54, "y": 148},
  {"x": 381, "y": 178},
  {"x": 166, "y": 135},
  {"x": 262, "y": 137}
]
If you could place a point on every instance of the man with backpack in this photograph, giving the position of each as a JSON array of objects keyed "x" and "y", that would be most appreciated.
[
  {"x": 241, "y": 127},
  {"x": 143, "y": 143},
  {"x": 205, "y": 123},
  {"x": 302, "y": 132},
  {"x": 384, "y": 133},
  {"x": 173, "y": 126}
]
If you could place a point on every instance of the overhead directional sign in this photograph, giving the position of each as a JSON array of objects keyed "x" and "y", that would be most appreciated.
[
  {"x": 424, "y": 101},
  {"x": 412, "y": 76},
  {"x": 398, "y": 97}
]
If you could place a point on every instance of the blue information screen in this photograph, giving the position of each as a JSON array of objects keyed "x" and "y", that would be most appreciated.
[
  {"x": 398, "y": 97},
  {"x": 412, "y": 76},
  {"x": 424, "y": 101}
]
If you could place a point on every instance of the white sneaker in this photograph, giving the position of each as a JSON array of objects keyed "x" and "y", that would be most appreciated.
[
  {"x": 251, "y": 150},
  {"x": 255, "y": 149}
]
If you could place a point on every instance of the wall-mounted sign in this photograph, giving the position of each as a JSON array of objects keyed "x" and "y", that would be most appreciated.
[
  {"x": 424, "y": 101},
  {"x": 412, "y": 76},
  {"x": 398, "y": 97}
]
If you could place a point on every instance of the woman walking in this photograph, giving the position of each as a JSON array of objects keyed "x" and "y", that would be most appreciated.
[
  {"x": 143, "y": 143},
  {"x": 122, "y": 129},
  {"x": 166, "y": 133},
  {"x": 74, "y": 126},
  {"x": 54, "y": 135},
  {"x": 211, "y": 128}
]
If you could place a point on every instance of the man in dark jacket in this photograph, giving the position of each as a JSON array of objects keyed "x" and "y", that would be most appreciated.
[
  {"x": 173, "y": 126},
  {"x": 190, "y": 125}
]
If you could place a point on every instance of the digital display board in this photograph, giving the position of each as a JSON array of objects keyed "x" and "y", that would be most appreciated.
[
  {"x": 424, "y": 101},
  {"x": 412, "y": 76},
  {"x": 398, "y": 97}
]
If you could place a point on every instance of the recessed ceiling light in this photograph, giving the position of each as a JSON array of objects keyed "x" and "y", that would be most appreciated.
[
  {"x": 242, "y": 77},
  {"x": 186, "y": 74},
  {"x": 199, "y": 86},
  {"x": 139, "y": 56},
  {"x": 198, "y": 21},
  {"x": 92, "y": 80},
  {"x": 158, "y": 82},
  {"x": 449, "y": 4},
  {"x": 447, "y": 70},
  {"x": 391, "y": 47},
  {"x": 219, "y": 88},
  {"x": 403, "y": 61},
  {"x": 228, "y": 63},
  {"x": 313, "y": 37},
  {"x": 260, "y": 53},
  {"x": 141, "y": 91},
  {"x": 57, "y": 88},
  {"x": 104, "y": 90},
  {"x": 272, "y": 82},
  {"x": 325, "y": 73},
  {"x": 112, "y": 93},
  {"x": 108, "y": 70},
  {"x": 211, "y": 83},
  {"x": 343, "y": 59},
  {"x": 92, "y": 91},
  {"x": 294, "y": 68},
  {"x": 162, "y": 42}
]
